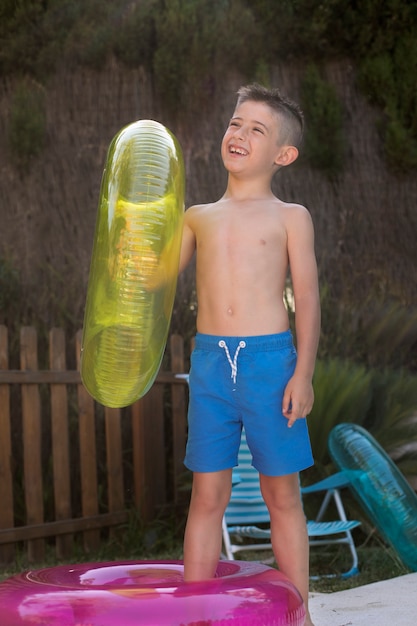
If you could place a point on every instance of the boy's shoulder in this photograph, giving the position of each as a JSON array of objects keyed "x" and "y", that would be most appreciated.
[
  {"x": 296, "y": 219},
  {"x": 290, "y": 211},
  {"x": 293, "y": 210},
  {"x": 195, "y": 210}
]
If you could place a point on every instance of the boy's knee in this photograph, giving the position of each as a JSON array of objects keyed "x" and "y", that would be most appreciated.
[
  {"x": 281, "y": 494},
  {"x": 209, "y": 504},
  {"x": 210, "y": 497},
  {"x": 277, "y": 504}
]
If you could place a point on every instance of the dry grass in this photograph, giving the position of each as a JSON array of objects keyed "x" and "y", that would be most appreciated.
[{"x": 163, "y": 540}]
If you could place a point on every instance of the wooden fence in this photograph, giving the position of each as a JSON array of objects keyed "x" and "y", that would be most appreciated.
[{"x": 69, "y": 465}]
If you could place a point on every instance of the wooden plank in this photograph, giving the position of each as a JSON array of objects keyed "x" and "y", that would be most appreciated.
[
  {"x": 115, "y": 488},
  {"x": 139, "y": 444},
  {"x": 88, "y": 456},
  {"x": 149, "y": 455},
  {"x": 39, "y": 377},
  {"x": 69, "y": 377},
  {"x": 179, "y": 420},
  {"x": 153, "y": 465},
  {"x": 7, "y": 552},
  {"x": 63, "y": 527},
  {"x": 60, "y": 440},
  {"x": 155, "y": 448},
  {"x": 32, "y": 440}
]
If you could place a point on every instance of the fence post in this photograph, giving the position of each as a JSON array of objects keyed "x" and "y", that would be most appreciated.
[
  {"x": 179, "y": 422},
  {"x": 88, "y": 456},
  {"x": 60, "y": 440},
  {"x": 149, "y": 452},
  {"x": 32, "y": 442},
  {"x": 6, "y": 476},
  {"x": 115, "y": 489}
]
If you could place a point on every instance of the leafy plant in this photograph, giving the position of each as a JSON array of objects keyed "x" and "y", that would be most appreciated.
[
  {"x": 388, "y": 333},
  {"x": 9, "y": 290},
  {"x": 383, "y": 401},
  {"x": 373, "y": 331},
  {"x": 343, "y": 393},
  {"x": 27, "y": 128},
  {"x": 324, "y": 143},
  {"x": 393, "y": 416},
  {"x": 388, "y": 79},
  {"x": 135, "y": 40},
  {"x": 400, "y": 147},
  {"x": 194, "y": 39}
]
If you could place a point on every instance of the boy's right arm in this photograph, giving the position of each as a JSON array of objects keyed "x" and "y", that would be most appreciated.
[{"x": 164, "y": 271}]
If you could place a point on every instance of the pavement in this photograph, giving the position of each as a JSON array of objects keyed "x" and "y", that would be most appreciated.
[{"x": 386, "y": 603}]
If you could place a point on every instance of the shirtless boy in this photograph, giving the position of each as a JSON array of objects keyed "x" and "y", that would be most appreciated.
[{"x": 244, "y": 369}]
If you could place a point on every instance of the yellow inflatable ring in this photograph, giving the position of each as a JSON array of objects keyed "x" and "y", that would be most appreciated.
[{"x": 134, "y": 264}]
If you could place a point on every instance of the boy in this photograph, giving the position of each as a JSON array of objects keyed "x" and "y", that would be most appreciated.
[{"x": 244, "y": 369}]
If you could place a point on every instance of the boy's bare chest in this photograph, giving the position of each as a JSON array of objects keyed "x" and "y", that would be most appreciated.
[{"x": 241, "y": 234}]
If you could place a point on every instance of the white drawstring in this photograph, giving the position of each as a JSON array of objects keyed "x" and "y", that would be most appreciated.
[{"x": 233, "y": 364}]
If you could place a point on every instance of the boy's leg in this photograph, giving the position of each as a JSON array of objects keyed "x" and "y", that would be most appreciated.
[
  {"x": 289, "y": 536},
  {"x": 203, "y": 533}
]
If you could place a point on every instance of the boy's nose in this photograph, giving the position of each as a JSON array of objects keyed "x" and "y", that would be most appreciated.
[{"x": 240, "y": 132}]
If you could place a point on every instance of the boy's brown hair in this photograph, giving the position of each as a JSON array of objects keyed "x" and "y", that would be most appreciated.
[{"x": 289, "y": 112}]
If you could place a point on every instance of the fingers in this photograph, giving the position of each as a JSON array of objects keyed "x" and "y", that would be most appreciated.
[
  {"x": 292, "y": 416},
  {"x": 298, "y": 400},
  {"x": 291, "y": 421},
  {"x": 294, "y": 410}
]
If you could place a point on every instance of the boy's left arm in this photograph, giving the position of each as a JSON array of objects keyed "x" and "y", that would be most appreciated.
[{"x": 299, "y": 396}]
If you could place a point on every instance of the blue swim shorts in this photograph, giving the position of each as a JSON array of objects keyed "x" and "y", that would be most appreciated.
[{"x": 239, "y": 382}]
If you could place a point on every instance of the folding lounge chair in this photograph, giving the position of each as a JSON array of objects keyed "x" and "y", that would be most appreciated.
[{"x": 247, "y": 509}]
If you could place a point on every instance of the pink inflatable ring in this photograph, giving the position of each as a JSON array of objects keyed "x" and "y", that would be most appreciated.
[{"x": 150, "y": 593}]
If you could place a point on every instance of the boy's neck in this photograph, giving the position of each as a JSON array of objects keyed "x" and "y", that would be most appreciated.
[{"x": 247, "y": 190}]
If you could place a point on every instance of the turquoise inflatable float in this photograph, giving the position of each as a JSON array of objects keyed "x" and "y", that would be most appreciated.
[{"x": 379, "y": 486}]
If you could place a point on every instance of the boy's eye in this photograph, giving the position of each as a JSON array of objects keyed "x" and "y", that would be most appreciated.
[{"x": 258, "y": 130}]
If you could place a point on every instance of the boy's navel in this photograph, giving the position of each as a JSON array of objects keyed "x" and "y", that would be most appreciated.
[{"x": 230, "y": 311}]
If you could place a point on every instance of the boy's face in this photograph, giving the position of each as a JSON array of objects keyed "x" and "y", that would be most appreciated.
[{"x": 251, "y": 140}]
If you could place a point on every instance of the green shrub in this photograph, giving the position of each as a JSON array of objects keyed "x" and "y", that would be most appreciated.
[
  {"x": 371, "y": 330},
  {"x": 383, "y": 401},
  {"x": 21, "y": 35},
  {"x": 343, "y": 393},
  {"x": 388, "y": 335},
  {"x": 366, "y": 373},
  {"x": 324, "y": 142},
  {"x": 388, "y": 80},
  {"x": 173, "y": 52},
  {"x": 376, "y": 79},
  {"x": 90, "y": 37},
  {"x": 196, "y": 41},
  {"x": 10, "y": 293},
  {"x": 135, "y": 39},
  {"x": 27, "y": 127},
  {"x": 89, "y": 44}
]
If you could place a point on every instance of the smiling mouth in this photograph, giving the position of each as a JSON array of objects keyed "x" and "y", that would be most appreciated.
[{"x": 236, "y": 150}]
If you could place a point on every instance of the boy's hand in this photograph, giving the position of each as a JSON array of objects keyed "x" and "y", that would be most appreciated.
[{"x": 298, "y": 399}]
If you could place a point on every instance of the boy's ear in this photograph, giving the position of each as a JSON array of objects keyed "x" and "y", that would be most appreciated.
[{"x": 286, "y": 155}]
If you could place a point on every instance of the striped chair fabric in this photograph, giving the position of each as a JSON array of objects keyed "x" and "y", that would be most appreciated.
[{"x": 246, "y": 510}]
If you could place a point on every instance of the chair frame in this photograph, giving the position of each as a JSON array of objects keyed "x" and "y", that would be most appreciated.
[{"x": 320, "y": 532}]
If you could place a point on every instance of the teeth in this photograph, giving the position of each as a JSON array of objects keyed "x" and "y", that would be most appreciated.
[{"x": 238, "y": 150}]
